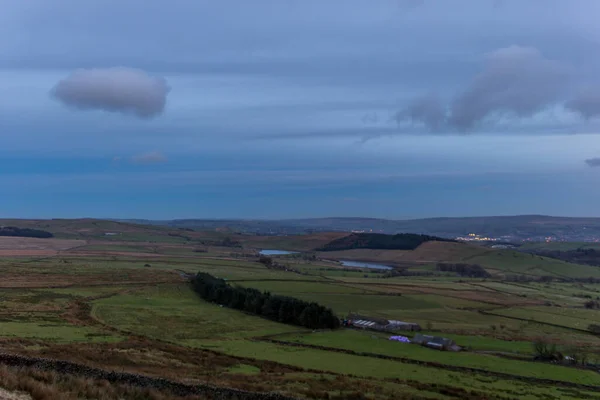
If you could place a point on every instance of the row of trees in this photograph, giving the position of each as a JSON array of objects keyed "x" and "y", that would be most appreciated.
[
  {"x": 24, "y": 232},
  {"x": 287, "y": 310},
  {"x": 544, "y": 351},
  {"x": 470, "y": 270}
]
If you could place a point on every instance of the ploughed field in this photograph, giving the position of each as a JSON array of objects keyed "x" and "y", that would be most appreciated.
[{"x": 124, "y": 303}]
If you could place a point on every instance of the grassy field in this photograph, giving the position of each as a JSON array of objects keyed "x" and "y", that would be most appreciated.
[
  {"x": 569, "y": 317},
  {"x": 124, "y": 303},
  {"x": 180, "y": 314},
  {"x": 367, "y": 342},
  {"x": 564, "y": 246}
]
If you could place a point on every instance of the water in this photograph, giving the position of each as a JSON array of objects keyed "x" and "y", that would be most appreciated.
[
  {"x": 276, "y": 252},
  {"x": 358, "y": 264}
]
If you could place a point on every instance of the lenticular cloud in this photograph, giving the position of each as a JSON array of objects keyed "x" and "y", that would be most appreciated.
[{"x": 124, "y": 90}]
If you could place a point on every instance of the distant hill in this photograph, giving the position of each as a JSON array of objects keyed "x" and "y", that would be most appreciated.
[
  {"x": 512, "y": 228},
  {"x": 520, "y": 227},
  {"x": 378, "y": 241},
  {"x": 88, "y": 228}
]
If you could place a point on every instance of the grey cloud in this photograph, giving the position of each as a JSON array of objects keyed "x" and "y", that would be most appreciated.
[
  {"x": 593, "y": 162},
  {"x": 154, "y": 157},
  {"x": 517, "y": 81},
  {"x": 586, "y": 103},
  {"x": 427, "y": 110},
  {"x": 119, "y": 89}
]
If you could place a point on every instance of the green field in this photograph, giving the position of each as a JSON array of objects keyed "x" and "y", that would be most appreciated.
[
  {"x": 564, "y": 246},
  {"x": 569, "y": 317},
  {"x": 180, "y": 313},
  {"x": 367, "y": 342},
  {"x": 513, "y": 262}
]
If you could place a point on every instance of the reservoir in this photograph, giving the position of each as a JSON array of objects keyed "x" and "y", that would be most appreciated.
[
  {"x": 276, "y": 252},
  {"x": 358, "y": 264}
]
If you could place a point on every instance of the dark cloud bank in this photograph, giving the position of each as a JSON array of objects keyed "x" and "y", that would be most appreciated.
[{"x": 119, "y": 89}]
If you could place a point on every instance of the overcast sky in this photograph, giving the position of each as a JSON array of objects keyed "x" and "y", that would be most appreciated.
[{"x": 299, "y": 108}]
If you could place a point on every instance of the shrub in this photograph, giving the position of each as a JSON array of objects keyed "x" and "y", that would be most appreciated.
[
  {"x": 544, "y": 351},
  {"x": 594, "y": 328},
  {"x": 592, "y": 304}
]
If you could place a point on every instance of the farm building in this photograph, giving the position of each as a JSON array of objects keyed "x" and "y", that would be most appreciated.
[
  {"x": 435, "y": 342},
  {"x": 381, "y": 324},
  {"x": 395, "y": 325}
]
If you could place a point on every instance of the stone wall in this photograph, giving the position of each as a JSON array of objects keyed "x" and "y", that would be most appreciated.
[{"x": 180, "y": 389}]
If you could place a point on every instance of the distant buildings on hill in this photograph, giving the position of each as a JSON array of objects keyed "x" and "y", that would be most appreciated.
[{"x": 473, "y": 237}]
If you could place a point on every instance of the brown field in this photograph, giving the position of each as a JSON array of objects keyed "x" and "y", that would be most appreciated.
[
  {"x": 18, "y": 246},
  {"x": 294, "y": 243}
]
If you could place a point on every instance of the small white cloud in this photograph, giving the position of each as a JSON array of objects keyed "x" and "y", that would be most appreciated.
[
  {"x": 119, "y": 89},
  {"x": 154, "y": 157}
]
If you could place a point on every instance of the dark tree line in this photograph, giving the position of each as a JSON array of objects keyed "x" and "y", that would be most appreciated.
[
  {"x": 24, "y": 232},
  {"x": 470, "y": 270},
  {"x": 401, "y": 241},
  {"x": 402, "y": 272},
  {"x": 287, "y": 310}
]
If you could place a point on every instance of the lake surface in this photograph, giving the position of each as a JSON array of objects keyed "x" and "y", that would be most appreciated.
[
  {"x": 276, "y": 252},
  {"x": 358, "y": 264}
]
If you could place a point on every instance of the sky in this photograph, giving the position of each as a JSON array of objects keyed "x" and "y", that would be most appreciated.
[{"x": 299, "y": 108}]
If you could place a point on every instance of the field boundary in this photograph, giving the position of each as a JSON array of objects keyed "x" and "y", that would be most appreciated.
[
  {"x": 538, "y": 322},
  {"x": 454, "y": 368}
]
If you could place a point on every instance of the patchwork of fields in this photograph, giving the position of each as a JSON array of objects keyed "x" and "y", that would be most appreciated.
[{"x": 127, "y": 305}]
